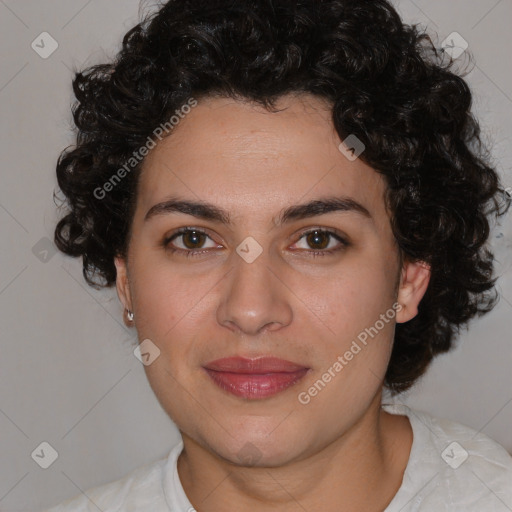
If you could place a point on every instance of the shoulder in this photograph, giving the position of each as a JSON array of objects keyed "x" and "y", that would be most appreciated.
[
  {"x": 454, "y": 467},
  {"x": 141, "y": 489}
]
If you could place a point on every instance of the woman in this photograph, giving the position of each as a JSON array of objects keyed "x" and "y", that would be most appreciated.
[{"x": 290, "y": 200}]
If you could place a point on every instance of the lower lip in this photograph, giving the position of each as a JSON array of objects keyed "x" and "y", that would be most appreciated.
[{"x": 255, "y": 386}]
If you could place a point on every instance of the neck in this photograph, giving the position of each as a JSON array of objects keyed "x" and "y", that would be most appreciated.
[{"x": 361, "y": 469}]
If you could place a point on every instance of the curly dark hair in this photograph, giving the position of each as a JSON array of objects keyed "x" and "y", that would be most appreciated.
[{"x": 387, "y": 84}]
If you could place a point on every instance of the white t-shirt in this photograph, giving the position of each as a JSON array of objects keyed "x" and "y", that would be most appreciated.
[{"x": 451, "y": 468}]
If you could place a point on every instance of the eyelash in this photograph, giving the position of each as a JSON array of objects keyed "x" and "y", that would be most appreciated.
[{"x": 193, "y": 253}]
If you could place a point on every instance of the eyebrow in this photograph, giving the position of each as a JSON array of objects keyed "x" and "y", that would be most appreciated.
[{"x": 207, "y": 211}]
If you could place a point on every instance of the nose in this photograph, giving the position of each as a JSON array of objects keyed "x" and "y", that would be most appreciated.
[{"x": 254, "y": 298}]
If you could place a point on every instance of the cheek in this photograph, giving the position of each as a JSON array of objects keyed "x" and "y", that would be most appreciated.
[
  {"x": 355, "y": 350},
  {"x": 170, "y": 309},
  {"x": 164, "y": 298},
  {"x": 352, "y": 298},
  {"x": 176, "y": 311},
  {"x": 355, "y": 307}
]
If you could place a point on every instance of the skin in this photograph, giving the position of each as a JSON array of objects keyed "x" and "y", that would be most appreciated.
[{"x": 341, "y": 447}]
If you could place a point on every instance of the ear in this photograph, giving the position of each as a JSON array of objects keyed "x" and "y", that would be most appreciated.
[
  {"x": 122, "y": 283},
  {"x": 413, "y": 285}
]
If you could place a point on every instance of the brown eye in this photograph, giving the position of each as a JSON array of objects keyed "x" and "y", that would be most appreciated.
[
  {"x": 189, "y": 240},
  {"x": 318, "y": 239},
  {"x": 193, "y": 239},
  {"x": 320, "y": 242}
]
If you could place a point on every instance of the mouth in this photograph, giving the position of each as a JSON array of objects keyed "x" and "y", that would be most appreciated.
[{"x": 254, "y": 378}]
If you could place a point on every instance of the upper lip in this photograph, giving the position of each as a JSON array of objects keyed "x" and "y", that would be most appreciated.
[{"x": 258, "y": 365}]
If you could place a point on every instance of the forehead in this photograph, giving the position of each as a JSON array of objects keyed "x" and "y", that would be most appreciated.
[{"x": 253, "y": 162}]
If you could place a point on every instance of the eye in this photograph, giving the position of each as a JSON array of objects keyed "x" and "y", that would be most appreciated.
[
  {"x": 321, "y": 242},
  {"x": 192, "y": 241},
  {"x": 188, "y": 241}
]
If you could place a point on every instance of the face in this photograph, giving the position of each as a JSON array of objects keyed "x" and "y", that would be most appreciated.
[{"x": 290, "y": 256}]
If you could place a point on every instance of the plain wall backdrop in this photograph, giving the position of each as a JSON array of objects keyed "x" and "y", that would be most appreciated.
[{"x": 69, "y": 375}]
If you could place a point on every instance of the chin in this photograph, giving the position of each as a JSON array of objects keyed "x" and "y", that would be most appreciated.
[{"x": 257, "y": 451}]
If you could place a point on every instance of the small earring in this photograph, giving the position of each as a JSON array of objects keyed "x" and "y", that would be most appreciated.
[{"x": 129, "y": 315}]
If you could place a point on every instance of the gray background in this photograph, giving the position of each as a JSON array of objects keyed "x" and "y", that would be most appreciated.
[{"x": 69, "y": 376}]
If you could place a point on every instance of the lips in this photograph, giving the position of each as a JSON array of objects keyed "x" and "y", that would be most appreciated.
[{"x": 254, "y": 378}]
